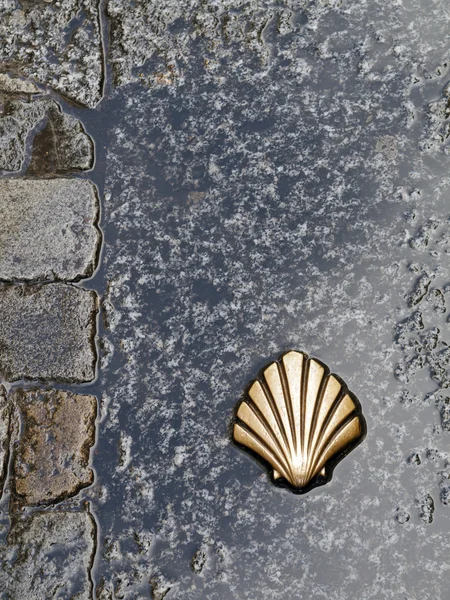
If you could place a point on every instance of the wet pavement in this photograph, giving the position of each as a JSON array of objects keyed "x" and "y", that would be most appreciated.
[{"x": 272, "y": 176}]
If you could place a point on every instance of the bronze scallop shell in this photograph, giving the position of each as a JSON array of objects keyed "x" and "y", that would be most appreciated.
[{"x": 301, "y": 419}]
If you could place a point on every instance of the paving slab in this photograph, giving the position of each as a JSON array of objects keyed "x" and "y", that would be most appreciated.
[
  {"x": 57, "y": 44},
  {"x": 60, "y": 141},
  {"x": 52, "y": 459},
  {"x": 54, "y": 556},
  {"x": 48, "y": 229},
  {"x": 47, "y": 333}
]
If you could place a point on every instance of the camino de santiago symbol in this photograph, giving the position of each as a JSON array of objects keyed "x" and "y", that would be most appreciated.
[{"x": 300, "y": 419}]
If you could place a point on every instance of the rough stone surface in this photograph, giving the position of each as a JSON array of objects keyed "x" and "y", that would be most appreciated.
[
  {"x": 277, "y": 177},
  {"x": 5, "y": 428},
  {"x": 16, "y": 85},
  {"x": 48, "y": 230},
  {"x": 47, "y": 333},
  {"x": 163, "y": 36},
  {"x": 55, "y": 43},
  {"x": 55, "y": 552},
  {"x": 60, "y": 142},
  {"x": 52, "y": 459}
]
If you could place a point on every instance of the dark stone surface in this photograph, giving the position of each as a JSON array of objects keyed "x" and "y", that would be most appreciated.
[{"x": 278, "y": 179}]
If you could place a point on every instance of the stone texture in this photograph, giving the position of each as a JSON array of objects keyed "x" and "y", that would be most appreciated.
[
  {"x": 60, "y": 142},
  {"x": 55, "y": 43},
  {"x": 15, "y": 85},
  {"x": 54, "y": 556},
  {"x": 47, "y": 333},
  {"x": 275, "y": 181},
  {"x": 48, "y": 229},
  {"x": 161, "y": 35},
  {"x": 52, "y": 459},
  {"x": 5, "y": 430}
]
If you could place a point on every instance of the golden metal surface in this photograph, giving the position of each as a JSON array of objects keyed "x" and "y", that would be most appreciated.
[{"x": 300, "y": 419}]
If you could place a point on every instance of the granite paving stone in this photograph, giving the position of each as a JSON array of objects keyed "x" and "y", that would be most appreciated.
[
  {"x": 48, "y": 229},
  {"x": 60, "y": 142},
  {"x": 17, "y": 85},
  {"x": 55, "y": 43},
  {"x": 54, "y": 556},
  {"x": 47, "y": 332},
  {"x": 277, "y": 178},
  {"x": 52, "y": 459}
]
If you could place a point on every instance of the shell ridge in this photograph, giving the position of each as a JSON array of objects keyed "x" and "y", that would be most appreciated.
[
  {"x": 323, "y": 444},
  {"x": 293, "y": 366},
  {"x": 330, "y": 397},
  {"x": 274, "y": 380},
  {"x": 317, "y": 373},
  {"x": 277, "y": 447},
  {"x": 277, "y": 415},
  {"x": 289, "y": 408},
  {"x": 305, "y": 378},
  {"x": 323, "y": 458},
  {"x": 320, "y": 440},
  {"x": 263, "y": 451},
  {"x": 315, "y": 417},
  {"x": 258, "y": 397}
]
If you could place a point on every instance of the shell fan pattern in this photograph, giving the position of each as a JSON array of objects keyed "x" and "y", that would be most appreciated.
[{"x": 300, "y": 419}]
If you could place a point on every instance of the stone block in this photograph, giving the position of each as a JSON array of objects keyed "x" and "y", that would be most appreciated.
[
  {"x": 57, "y": 44},
  {"x": 52, "y": 459},
  {"x": 48, "y": 229},
  {"x": 47, "y": 333},
  {"x": 55, "y": 553},
  {"x": 60, "y": 141}
]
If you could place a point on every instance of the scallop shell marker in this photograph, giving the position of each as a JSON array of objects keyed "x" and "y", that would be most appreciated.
[{"x": 300, "y": 419}]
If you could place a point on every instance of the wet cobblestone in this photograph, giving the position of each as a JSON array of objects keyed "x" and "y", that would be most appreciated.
[{"x": 47, "y": 333}]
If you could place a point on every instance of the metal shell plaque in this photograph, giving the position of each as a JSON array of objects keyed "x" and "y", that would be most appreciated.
[{"x": 300, "y": 419}]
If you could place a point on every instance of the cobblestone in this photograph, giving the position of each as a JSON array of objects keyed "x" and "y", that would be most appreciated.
[
  {"x": 52, "y": 460},
  {"x": 48, "y": 229},
  {"x": 61, "y": 146},
  {"x": 57, "y": 44},
  {"x": 55, "y": 552},
  {"x": 47, "y": 333}
]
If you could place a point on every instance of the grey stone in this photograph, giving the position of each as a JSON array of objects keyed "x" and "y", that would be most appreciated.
[
  {"x": 5, "y": 430},
  {"x": 55, "y": 43},
  {"x": 60, "y": 142},
  {"x": 247, "y": 212},
  {"x": 48, "y": 229},
  {"x": 52, "y": 459},
  {"x": 425, "y": 506},
  {"x": 16, "y": 85},
  {"x": 55, "y": 554},
  {"x": 47, "y": 333}
]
